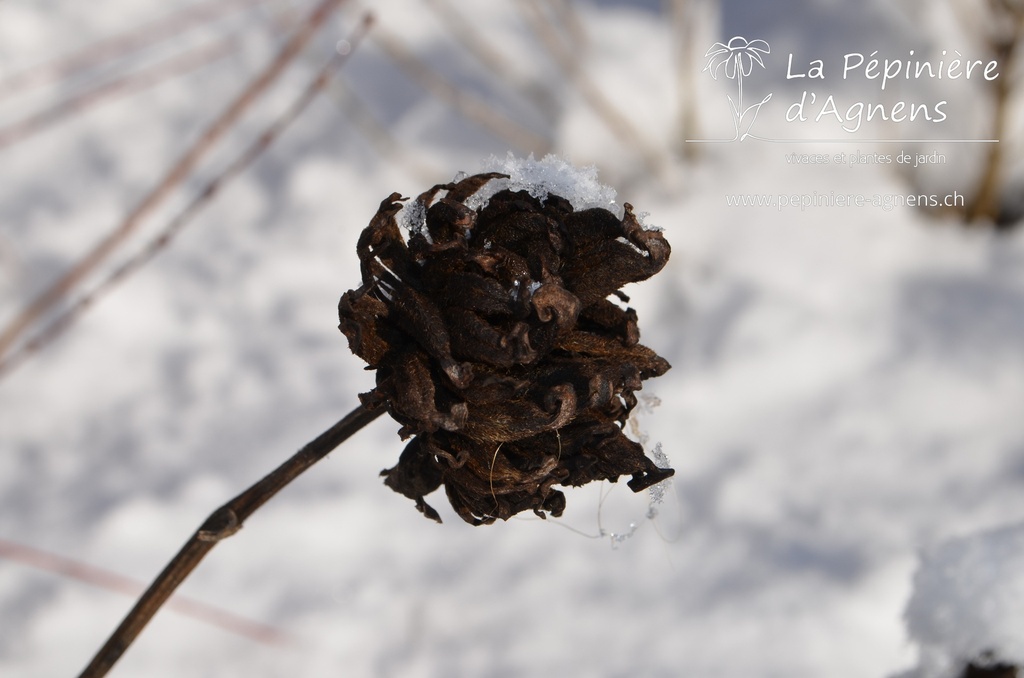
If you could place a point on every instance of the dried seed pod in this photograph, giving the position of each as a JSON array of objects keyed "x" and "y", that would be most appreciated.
[{"x": 498, "y": 350}]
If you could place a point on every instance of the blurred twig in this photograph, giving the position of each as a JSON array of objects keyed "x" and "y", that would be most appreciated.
[
  {"x": 129, "y": 84},
  {"x": 469, "y": 106},
  {"x": 178, "y": 171},
  {"x": 164, "y": 238},
  {"x": 1003, "y": 37},
  {"x": 117, "y": 46},
  {"x": 471, "y": 38},
  {"x": 567, "y": 15},
  {"x": 377, "y": 134},
  {"x": 355, "y": 112},
  {"x": 656, "y": 159},
  {"x": 111, "y": 581},
  {"x": 683, "y": 17},
  {"x": 222, "y": 523}
]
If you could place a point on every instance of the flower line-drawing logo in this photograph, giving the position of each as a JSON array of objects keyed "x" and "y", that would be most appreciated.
[{"x": 737, "y": 58}]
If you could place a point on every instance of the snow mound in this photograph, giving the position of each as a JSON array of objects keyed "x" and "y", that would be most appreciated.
[
  {"x": 968, "y": 602},
  {"x": 541, "y": 178}
]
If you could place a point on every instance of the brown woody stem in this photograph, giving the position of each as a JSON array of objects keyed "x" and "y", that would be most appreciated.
[{"x": 221, "y": 524}]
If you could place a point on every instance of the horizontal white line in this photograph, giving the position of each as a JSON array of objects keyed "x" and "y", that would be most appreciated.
[{"x": 849, "y": 141}]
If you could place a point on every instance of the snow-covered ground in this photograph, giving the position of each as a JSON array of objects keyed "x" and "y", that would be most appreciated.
[{"x": 846, "y": 390}]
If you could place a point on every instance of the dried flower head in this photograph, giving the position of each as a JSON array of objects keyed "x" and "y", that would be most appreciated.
[{"x": 498, "y": 349}]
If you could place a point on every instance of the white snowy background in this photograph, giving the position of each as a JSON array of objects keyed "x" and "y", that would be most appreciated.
[{"x": 847, "y": 386}]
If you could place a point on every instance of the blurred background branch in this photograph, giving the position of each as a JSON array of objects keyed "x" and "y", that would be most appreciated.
[
  {"x": 69, "y": 568},
  {"x": 68, "y": 316},
  {"x": 178, "y": 171},
  {"x": 120, "y": 46},
  {"x": 1000, "y": 27}
]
